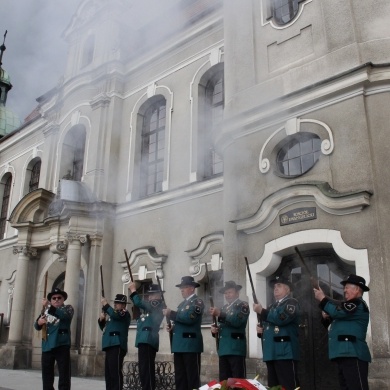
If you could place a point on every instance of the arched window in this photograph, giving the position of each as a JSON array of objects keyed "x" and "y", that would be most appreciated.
[
  {"x": 284, "y": 11},
  {"x": 72, "y": 157},
  {"x": 212, "y": 101},
  {"x": 6, "y": 184},
  {"x": 34, "y": 176},
  {"x": 153, "y": 148},
  {"x": 88, "y": 51},
  {"x": 298, "y": 154}
]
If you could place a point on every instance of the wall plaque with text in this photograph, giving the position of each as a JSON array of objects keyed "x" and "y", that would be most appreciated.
[{"x": 298, "y": 215}]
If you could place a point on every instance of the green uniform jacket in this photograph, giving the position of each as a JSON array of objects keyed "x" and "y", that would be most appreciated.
[
  {"x": 232, "y": 325},
  {"x": 187, "y": 336},
  {"x": 116, "y": 328},
  {"x": 58, "y": 327},
  {"x": 280, "y": 334},
  {"x": 148, "y": 325},
  {"x": 348, "y": 329}
]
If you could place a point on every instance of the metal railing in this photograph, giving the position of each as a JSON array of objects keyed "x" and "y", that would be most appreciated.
[{"x": 165, "y": 376}]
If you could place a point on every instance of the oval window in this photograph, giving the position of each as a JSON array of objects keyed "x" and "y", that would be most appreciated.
[
  {"x": 283, "y": 11},
  {"x": 299, "y": 154}
]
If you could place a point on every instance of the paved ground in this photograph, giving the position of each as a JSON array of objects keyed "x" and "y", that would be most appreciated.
[{"x": 32, "y": 380}]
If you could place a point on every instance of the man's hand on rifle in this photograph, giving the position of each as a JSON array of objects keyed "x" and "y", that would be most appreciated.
[
  {"x": 104, "y": 301},
  {"x": 259, "y": 329},
  {"x": 132, "y": 287},
  {"x": 257, "y": 308},
  {"x": 167, "y": 312},
  {"x": 318, "y": 294},
  {"x": 42, "y": 320},
  {"x": 214, "y": 311},
  {"x": 102, "y": 316},
  {"x": 214, "y": 329}
]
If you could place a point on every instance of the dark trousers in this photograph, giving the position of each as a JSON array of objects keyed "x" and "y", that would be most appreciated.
[
  {"x": 61, "y": 355},
  {"x": 353, "y": 374},
  {"x": 146, "y": 359},
  {"x": 284, "y": 373},
  {"x": 232, "y": 366},
  {"x": 113, "y": 367},
  {"x": 187, "y": 370}
]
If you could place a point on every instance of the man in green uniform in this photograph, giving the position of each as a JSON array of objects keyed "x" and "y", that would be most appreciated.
[
  {"x": 232, "y": 320},
  {"x": 114, "y": 322},
  {"x": 55, "y": 339},
  {"x": 280, "y": 335},
  {"x": 187, "y": 341},
  {"x": 347, "y": 332},
  {"x": 148, "y": 326}
]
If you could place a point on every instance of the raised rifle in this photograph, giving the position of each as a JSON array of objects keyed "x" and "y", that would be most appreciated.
[
  {"x": 215, "y": 322},
  {"x": 44, "y": 327},
  {"x": 314, "y": 282},
  {"x": 259, "y": 320},
  {"x": 101, "y": 280},
  {"x": 165, "y": 305},
  {"x": 135, "y": 309}
]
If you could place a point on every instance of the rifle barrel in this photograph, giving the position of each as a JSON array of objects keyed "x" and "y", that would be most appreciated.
[
  {"x": 259, "y": 320},
  {"x": 101, "y": 280}
]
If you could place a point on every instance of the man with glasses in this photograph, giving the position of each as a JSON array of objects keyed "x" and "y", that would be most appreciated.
[
  {"x": 187, "y": 341},
  {"x": 55, "y": 322}
]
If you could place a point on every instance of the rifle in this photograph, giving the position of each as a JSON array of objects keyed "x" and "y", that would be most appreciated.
[
  {"x": 259, "y": 320},
  {"x": 135, "y": 309},
  {"x": 165, "y": 305},
  {"x": 44, "y": 327},
  {"x": 314, "y": 282},
  {"x": 215, "y": 322},
  {"x": 101, "y": 280}
]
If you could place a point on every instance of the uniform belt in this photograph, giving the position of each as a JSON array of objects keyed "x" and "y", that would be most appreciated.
[
  {"x": 115, "y": 333},
  {"x": 147, "y": 328},
  {"x": 346, "y": 337},
  {"x": 281, "y": 339}
]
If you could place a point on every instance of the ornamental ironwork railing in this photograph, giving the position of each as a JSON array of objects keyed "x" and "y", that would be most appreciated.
[{"x": 165, "y": 376}]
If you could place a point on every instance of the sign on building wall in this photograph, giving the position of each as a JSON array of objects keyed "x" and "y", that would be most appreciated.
[{"x": 298, "y": 215}]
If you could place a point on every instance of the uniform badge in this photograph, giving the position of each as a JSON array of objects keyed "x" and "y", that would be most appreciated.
[
  {"x": 276, "y": 329},
  {"x": 349, "y": 306},
  {"x": 187, "y": 307},
  {"x": 290, "y": 309}
]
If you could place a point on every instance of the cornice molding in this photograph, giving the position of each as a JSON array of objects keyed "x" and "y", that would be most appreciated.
[{"x": 322, "y": 194}]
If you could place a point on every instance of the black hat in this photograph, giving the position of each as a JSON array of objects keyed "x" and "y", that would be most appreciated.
[
  {"x": 120, "y": 298},
  {"x": 357, "y": 280},
  {"x": 230, "y": 284},
  {"x": 57, "y": 291},
  {"x": 153, "y": 289},
  {"x": 281, "y": 279},
  {"x": 188, "y": 281}
]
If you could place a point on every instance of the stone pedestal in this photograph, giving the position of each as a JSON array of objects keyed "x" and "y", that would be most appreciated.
[{"x": 15, "y": 357}]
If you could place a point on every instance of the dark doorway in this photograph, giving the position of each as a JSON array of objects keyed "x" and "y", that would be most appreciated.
[{"x": 316, "y": 372}]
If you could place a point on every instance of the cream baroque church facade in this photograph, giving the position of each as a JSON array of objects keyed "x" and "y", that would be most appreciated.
[{"x": 195, "y": 137}]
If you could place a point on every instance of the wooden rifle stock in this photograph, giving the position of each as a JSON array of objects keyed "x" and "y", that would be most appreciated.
[
  {"x": 215, "y": 322},
  {"x": 259, "y": 320},
  {"x": 165, "y": 306},
  {"x": 135, "y": 309},
  {"x": 314, "y": 282},
  {"x": 101, "y": 280},
  {"x": 44, "y": 327}
]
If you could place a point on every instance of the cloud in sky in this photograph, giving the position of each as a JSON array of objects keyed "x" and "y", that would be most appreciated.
[{"x": 36, "y": 53}]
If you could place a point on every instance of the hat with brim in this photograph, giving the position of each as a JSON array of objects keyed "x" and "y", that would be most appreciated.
[
  {"x": 230, "y": 284},
  {"x": 57, "y": 291},
  {"x": 188, "y": 281},
  {"x": 357, "y": 280},
  {"x": 120, "y": 298},
  {"x": 154, "y": 289},
  {"x": 282, "y": 280}
]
